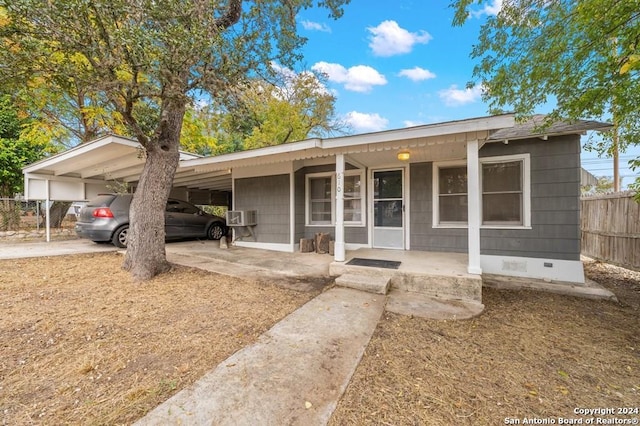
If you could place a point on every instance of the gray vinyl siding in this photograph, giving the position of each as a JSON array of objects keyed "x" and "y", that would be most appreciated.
[
  {"x": 555, "y": 210},
  {"x": 269, "y": 195},
  {"x": 555, "y": 201},
  {"x": 423, "y": 235},
  {"x": 299, "y": 193}
]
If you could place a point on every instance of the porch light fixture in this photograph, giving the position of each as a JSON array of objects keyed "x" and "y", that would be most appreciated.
[{"x": 404, "y": 156}]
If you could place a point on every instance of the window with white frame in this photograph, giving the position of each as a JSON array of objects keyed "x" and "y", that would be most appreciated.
[
  {"x": 353, "y": 190},
  {"x": 320, "y": 204},
  {"x": 321, "y": 195},
  {"x": 505, "y": 192},
  {"x": 452, "y": 195}
]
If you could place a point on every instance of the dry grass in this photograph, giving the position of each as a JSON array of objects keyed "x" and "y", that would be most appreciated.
[
  {"x": 529, "y": 354},
  {"x": 81, "y": 343}
]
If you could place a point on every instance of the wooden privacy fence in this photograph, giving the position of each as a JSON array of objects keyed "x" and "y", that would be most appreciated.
[{"x": 610, "y": 225}]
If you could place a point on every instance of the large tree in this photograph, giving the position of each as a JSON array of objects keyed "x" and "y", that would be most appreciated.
[
  {"x": 581, "y": 55},
  {"x": 151, "y": 56}
]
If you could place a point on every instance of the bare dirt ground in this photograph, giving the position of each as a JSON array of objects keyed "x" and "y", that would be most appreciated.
[
  {"x": 529, "y": 355},
  {"x": 81, "y": 344}
]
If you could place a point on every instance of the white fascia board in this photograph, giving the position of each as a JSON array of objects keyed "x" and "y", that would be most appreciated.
[
  {"x": 220, "y": 160},
  {"x": 79, "y": 150},
  {"x": 36, "y": 176},
  {"x": 430, "y": 130}
]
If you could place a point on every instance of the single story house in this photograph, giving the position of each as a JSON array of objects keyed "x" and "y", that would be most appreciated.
[{"x": 502, "y": 192}]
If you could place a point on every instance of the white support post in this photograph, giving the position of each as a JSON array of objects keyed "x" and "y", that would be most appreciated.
[
  {"x": 473, "y": 206},
  {"x": 47, "y": 212},
  {"x": 339, "y": 249}
]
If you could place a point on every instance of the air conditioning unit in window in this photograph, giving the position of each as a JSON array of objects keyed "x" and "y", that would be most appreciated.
[{"x": 242, "y": 217}]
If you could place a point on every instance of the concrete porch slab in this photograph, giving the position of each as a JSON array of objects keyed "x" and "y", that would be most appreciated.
[{"x": 442, "y": 275}]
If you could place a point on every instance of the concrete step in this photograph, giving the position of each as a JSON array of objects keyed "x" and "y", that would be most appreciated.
[{"x": 371, "y": 284}]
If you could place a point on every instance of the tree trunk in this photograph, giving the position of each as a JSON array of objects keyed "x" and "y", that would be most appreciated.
[{"x": 146, "y": 255}]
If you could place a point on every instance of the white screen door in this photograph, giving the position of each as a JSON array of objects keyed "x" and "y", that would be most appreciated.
[{"x": 388, "y": 209}]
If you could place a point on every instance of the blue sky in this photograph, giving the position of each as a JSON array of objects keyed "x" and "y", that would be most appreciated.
[{"x": 393, "y": 64}]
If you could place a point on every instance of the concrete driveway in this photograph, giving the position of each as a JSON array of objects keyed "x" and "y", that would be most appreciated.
[{"x": 16, "y": 250}]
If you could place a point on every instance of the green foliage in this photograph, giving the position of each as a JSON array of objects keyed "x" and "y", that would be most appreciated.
[
  {"x": 131, "y": 62},
  {"x": 581, "y": 54},
  {"x": 294, "y": 108},
  {"x": 15, "y": 151},
  {"x": 261, "y": 113}
]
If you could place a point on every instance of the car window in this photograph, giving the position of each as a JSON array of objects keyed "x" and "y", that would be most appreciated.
[
  {"x": 177, "y": 206},
  {"x": 101, "y": 200}
]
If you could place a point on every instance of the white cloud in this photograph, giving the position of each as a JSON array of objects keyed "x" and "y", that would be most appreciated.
[
  {"x": 417, "y": 74},
  {"x": 389, "y": 39},
  {"x": 360, "y": 78},
  {"x": 490, "y": 9},
  {"x": 411, "y": 123},
  {"x": 456, "y": 97},
  {"x": 363, "y": 122},
  {"x": 315, "y": 26}
]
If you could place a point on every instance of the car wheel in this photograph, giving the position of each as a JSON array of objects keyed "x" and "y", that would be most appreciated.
[
  {"x": 216, "y": 231},
  {"x": 119, "y": 238}
]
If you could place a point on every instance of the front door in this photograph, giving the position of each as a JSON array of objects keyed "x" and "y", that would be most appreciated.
[{"x": 388, "y": 208}]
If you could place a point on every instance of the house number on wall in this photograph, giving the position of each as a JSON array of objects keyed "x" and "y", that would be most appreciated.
[{"x": 339, "y": 178}]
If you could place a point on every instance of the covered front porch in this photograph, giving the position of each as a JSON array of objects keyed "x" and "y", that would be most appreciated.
[{"x": 424, "y": 284}]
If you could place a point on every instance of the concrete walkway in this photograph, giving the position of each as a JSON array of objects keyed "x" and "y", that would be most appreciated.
[{"x": 294, "y": 374}]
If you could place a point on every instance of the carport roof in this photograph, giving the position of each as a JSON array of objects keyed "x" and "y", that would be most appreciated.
[{"x": 104, "y": 159}]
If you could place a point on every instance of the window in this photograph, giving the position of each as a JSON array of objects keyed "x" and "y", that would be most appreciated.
[
  {"x": 320, "y": 200},
  {"x": 504, "y": 192},
  {"x": 353, "y": 190},
  {"x": 452, "y": 190},
  {"x": 321, "y": 190}
]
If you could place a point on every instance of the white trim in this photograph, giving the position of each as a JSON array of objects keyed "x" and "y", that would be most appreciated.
[
  {"x": 526, "y": 192},
  {"x": 474, "y": 207},
  {"x": 530, "y": 267},
  {"x": 48, "y": 210},
  {"x": 370, "y": 202},
  {"x": 406, "y": 201},
  {"x": 289, "y": 248},
  {"x": 339, "y": 249},
  {"x": 292, "y": 208},
  {"x": 435, "y": 193},
  {"x": 36, "y": 176},
  {"x": 348, "y": 224},
  {"x": 526, "y": 188},
  {"x": 307, "y": 199}
]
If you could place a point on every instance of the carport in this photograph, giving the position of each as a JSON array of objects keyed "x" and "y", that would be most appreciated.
[{"x": 96, "y": 167}]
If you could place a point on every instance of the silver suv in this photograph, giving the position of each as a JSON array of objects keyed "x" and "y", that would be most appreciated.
[{"x": 106, "y": 219}]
